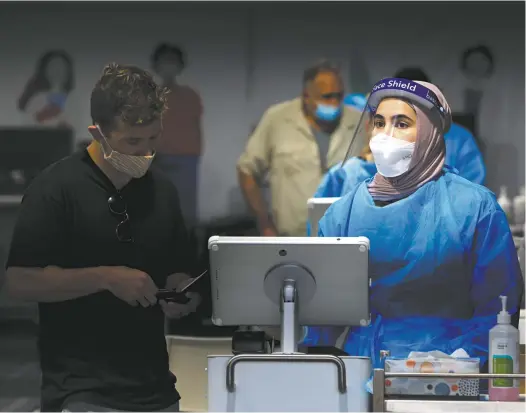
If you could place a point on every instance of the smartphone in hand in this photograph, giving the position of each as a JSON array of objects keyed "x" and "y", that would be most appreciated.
[
  {"x": 179, "y": 297},
  {"x": 192, "y": 281}
]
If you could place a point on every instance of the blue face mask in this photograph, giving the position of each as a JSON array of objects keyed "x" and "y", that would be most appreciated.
[{"x": 328, "y": 113}]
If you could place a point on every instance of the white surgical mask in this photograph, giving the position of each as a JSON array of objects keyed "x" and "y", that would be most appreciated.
[
  {"x": 132, "y": 165},
  {"x": 392, "y": 156}
]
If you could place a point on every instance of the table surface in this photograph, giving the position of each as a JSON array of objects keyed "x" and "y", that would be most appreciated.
[{"x": 427, "y": 406}]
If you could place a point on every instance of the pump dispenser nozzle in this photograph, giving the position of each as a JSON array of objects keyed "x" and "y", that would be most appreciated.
[{"x": 503, "y": 317}]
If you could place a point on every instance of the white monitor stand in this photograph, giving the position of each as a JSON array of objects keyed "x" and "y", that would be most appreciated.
[{"x": 289, "y": 282}]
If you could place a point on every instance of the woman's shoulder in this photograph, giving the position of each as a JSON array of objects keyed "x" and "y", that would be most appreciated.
[
  {"x": 340, "y": 209},
  {"x": 353, "y": 164},
  {"x": 468, "y": 194},
  {"x": 343, "y": 169}
]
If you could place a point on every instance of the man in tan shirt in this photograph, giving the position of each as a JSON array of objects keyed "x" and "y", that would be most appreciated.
[
  {"x": 295, "y": 143},
  {"x": 179, "y": 148}
]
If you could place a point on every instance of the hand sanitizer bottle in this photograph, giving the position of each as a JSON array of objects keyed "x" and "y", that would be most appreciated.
[{"x": 504, "y": 357}]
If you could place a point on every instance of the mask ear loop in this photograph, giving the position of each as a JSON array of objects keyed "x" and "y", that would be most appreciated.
[{"x": 105, "y": 140}]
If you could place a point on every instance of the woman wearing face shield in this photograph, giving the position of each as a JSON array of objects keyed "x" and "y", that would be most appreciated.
[{"x": 441, "y": 251}]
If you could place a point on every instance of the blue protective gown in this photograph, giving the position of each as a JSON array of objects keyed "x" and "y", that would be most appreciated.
[
  {"x": 462, "y": 152},
  {"x": 338, "y": 180},
  {"x": 355, "y": 100},
  {"x": 439, "y": 260}
]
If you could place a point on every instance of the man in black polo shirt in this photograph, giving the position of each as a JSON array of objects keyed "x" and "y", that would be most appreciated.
[{"x": 97, "y": 235}]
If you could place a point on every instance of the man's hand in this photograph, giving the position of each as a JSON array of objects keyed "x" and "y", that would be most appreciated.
[
  {"x": 130, "y": 285},
  {"x": 269, "y": 232},
  {"x": 177, "y": 282},
  {"x": 267, "y": 228}
]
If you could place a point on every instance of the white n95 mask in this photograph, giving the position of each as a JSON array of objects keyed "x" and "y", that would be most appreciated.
[{"x": 392, "y": 156}]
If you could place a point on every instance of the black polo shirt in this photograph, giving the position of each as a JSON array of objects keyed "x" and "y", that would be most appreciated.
[{"x": 98, "y": 348}]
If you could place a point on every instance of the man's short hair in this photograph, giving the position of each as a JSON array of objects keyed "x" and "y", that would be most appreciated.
[
  {"x": 323, "y": 66},
  {"x": 167, "y": 49},
  {"x": 412, "y": 73},
  {"x": 128, "y": 93}
]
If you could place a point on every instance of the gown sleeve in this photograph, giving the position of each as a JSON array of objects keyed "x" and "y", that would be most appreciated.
[
  {"x": 465, "y": 156},
  {"x": 496, "y": 272}
]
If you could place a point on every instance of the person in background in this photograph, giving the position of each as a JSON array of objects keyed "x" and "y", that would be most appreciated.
[
  {"x": 180, "y": 146},
  {"x": 478, "y": 66},
  {"x": 296, "y": 142},
  {"x": 355, "y": 100},
  {"x": 478, "y": 62},
  {"x": 97, "y": 235},
  {"x": 341, "y": 178},
  {"x": 45, "y": 95},
  {"x": 441, "y": 248}
]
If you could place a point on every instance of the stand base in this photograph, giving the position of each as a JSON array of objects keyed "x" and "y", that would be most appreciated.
[{"x": 273, "y": 385}]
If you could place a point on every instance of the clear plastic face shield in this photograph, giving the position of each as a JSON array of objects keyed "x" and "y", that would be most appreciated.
[{"x": 388, "y": 114}]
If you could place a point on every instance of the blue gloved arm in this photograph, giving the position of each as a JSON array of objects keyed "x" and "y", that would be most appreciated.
[
  {"x": 319, "y": 336},
  {"x": 467, "y": 158},
  {"x": 497, "y": 269},
  {"x": 331, "y": 184},
  {"x": 496, "y": 272},
  {"x": 325, "y": 187}
]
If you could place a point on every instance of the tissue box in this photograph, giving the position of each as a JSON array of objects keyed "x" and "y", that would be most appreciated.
[{"x": 432, "y": 387}]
